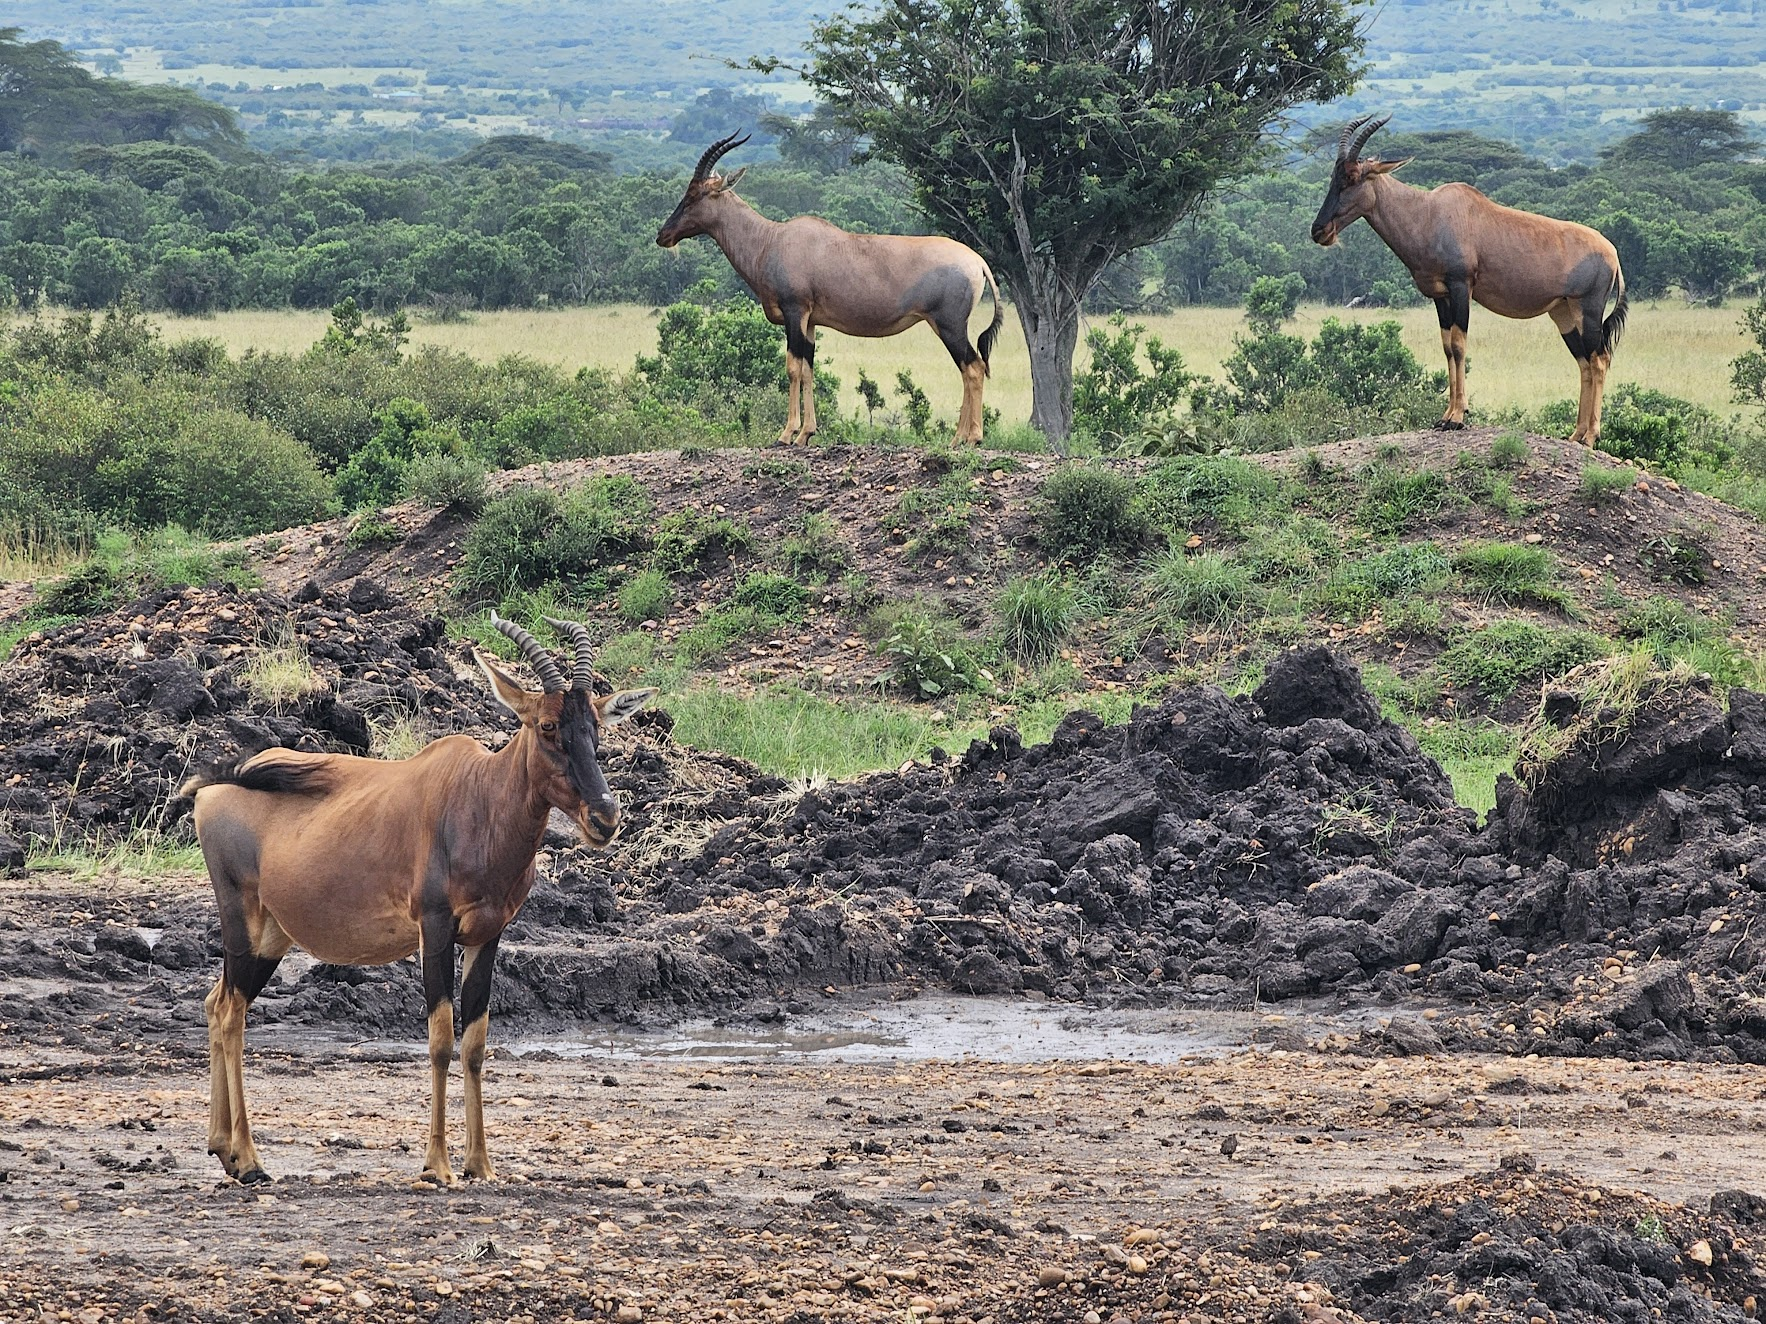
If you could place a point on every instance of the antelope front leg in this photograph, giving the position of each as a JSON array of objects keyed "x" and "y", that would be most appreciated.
[
  {"x": 229, "y": 1130},
  {"x": 220, "y": 1106},
  {"x": 1455, "y": 315},
  {"x": 1597, "y": 388},
  {"x": 438, "y": 992},
  {"x": 475, "y": 1008}
]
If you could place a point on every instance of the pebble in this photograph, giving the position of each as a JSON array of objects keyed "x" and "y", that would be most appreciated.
[
  {"x": 315, "y": 1259},
  {"x": 1051, "y": 1277},
  {"x": 361, "y": 1300},
  {"x": 628, "y": 1315},
  {"x": 1700, "y": 1253},
  {"x": 71, "y": 1205}
]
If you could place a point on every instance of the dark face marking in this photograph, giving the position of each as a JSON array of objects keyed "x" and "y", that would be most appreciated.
[
  {"x": 1324, "y": 226},
  {"x": 681, "y": 224},
  {"x": 576, "y": 744}
]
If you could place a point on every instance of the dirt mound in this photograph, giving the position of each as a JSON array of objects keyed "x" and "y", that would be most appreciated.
[{"x": 1523, "y": 1245}]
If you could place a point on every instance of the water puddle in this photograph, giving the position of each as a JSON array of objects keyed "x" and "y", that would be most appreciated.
[{"x": 947, "y": 1029}]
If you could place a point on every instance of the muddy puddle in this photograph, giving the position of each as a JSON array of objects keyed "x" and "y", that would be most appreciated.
[{"x": 943, "y": 1029}]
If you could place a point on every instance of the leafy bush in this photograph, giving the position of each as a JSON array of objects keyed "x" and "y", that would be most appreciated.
[
  {"x": 452, "y": 482},
  {"x": 1494, "y": 662},
  {"x": 1509, "y": 450},
  {"x": 1083, "y": 509},
  {"x": 532, "y": 536},
  {"x": 1114, "y": 397},
  {"x": 927, "y": 658},
  {"x": 1365, "y": 365},
  {"x": 728, "y": 349},
  {"x": 125, "y": 565},
  {"x": 1652, "y": 427},
  {"x": 646, "y": 596},
  {"x": 371, "y": 528},
  {"x": 686, "y": 539},
  {"x": 1358, "y": 588},
  {"x": 1678, "y": 556},
  {"x": 1036, "y": 614}
]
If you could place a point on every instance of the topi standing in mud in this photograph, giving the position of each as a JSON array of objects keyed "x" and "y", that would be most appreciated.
[{"x": 365, "y": 861}]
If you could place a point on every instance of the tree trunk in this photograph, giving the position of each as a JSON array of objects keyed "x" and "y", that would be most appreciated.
[{"x": 1052, "y": 335}]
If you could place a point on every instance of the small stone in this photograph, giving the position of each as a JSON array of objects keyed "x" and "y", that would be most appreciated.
[
  {"x": 315, "y": 1259},
  {"x": 444, "y": 1288},
  {"x": 1700, "y": 1253},
  {"x": 628, "y": 1315},
  {"x": 361, "y": 1300},
  {"x": 1136, "y": 1264},
  {"x": 1051, "y": 1277},
  {"x": 70, "y": 1205},
  {"x": 1141, "y": 1236}
]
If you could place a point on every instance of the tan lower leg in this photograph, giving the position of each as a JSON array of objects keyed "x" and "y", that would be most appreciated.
[
  {"x": 806, "y": 387},
  {"x": 478, "y": 1159},
  {"x": 793, "y": 378},
  {"x": 241, "y": 1149},
  {"x": 969, "y": 421},
  {"x": 1453, "y": 344},
  {"x": 1584, "y": 394},
  {"x": 220, "y": 1110},
  {"x": 441, "y": 1053},
  {"x": 1597, "y": 389}
]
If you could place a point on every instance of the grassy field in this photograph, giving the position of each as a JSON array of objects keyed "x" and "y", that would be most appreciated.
[{"x": 1669, "y": 346}]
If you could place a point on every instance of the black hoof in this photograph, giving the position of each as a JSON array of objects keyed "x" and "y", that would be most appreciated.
[{"x": 253, "y": 1177}]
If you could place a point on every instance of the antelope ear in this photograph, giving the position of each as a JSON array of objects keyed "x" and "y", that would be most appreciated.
[
  {"x": 617, "y": 707},
  {"x": 509, "y": 691},
  {"x": 727, "y": 183},
  {"x": 1384, "y": 167}
]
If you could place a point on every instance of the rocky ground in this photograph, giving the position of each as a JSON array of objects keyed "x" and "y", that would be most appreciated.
[{"x": 1275, "y": 1184}]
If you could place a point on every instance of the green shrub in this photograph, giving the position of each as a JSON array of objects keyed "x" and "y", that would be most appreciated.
[
  {"x": 85, "y": 590},
  {"x": 1304, "y": 548},
  {"x": 717, "y": 631},
  {"x": 1510, "y": 451},
  {"x": 1036, "y": 614},
  {"x": 531, "y": 536},
  {"x": 1605, "y": 482},
  {"x": 926, "y": 655},
  {"x": 1494, "y": 662},
  {"x": 1220, "y": 490},
  {"x": 1114, "y": 397},
  {"x": 1678, "y": 556},
  {"x": 1083, "y": 509},
  {"x": 372, "y": 528},
  {"x": 1359, "y": 587},
  {"x": 1365, "y": 365},
  {"x": 686, "y": 539},
  {"x": 452, "y": 482},
  {"x": 1394, "y": 500},
  {"x": 646, "y": 596},
  {"x": 816, "y": 550},
  {"x": 730, "y": 348},
  {"x": 124, "y": 566},
  {"x": 1510, "y": 572},
  {"x": 1208, "y": 589},
  {"x": 1675, "y": 632},
  {"x": 776, "y": 596}
]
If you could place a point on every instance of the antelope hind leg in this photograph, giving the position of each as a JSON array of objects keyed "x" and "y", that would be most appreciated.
[
  {"x": 969, "y": 421},
  {"x": 475, "y": 1002},
  {"x": 438, "y": 992},
  {"x": 1567, "y": 318},
  {"x": 793, "y": 384},
  {"x": 1454, "y": 313}
]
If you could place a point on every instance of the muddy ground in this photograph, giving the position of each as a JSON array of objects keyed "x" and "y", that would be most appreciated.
[{"x": 635, "y": 1187}]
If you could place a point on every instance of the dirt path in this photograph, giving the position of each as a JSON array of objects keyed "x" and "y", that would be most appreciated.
[{"x": 767, "y": 1190}]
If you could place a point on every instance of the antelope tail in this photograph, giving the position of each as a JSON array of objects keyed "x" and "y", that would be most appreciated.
[
  {"x": 1614, "y": 326},
  {"x": 985, "y": 344},
  {"x": 274, "y": 777}
]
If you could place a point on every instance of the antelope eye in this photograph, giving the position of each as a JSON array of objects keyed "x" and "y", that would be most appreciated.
[{"x": 548, "y": 727}]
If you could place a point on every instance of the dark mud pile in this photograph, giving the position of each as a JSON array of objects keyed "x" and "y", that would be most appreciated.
[
  {"x": 1213, "y": 850},
  {"x": 1523, "y": 1245}
]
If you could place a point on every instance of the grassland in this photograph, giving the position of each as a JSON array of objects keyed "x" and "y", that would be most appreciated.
[{"x": 1670, "y": 346}]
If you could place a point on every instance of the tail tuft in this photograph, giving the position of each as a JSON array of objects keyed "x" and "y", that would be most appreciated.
[
  {"x": 276, "y": 778},
  {"x": 1614, "y": 326},
  {"x": 991, "y": 334}
]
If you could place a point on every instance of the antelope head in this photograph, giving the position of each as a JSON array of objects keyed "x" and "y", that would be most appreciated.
[
  {"x": 693, "y": 215},
  {"x": 562, "y": 724},
  {"x": 1351, "y": 196}
]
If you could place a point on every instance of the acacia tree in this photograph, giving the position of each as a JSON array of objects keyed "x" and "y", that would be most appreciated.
[{"x": 1056, "y": 135}]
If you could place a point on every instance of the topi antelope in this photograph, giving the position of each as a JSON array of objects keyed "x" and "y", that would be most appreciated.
[
  {"x": 808, "y": 273},
  {"x": 1461, "y": 246},
  {"x": 365, "y": 861}
]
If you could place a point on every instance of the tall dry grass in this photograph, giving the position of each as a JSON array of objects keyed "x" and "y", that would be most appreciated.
[{"x": 1669, "y": 346}]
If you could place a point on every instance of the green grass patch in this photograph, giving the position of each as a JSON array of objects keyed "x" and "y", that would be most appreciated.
[
  {"x": 935, "y": 518},
  {"x": 125, "y": 565},
  {"x": 1603, "y": 483},
  {"x": 1472, "y": 752},
  {"x": 646, "y": 596},
  {"x": 1035, "y": 615},
  {"x": 1496, "y": 661},
  {"x": 686, "y": 540},
  {"x": 1395, "y": 501},
  {"x": 1359, "y": 587},
  {"x": 1208, "y": 589},
  {"x": 1218, "y": 491},
  {"x": 1674, "y": 632},
  {"x": 1509, "y": 451},
  {"x": 815, "y": 551},
  {"x": 1302, "y": 547},
  {"x": 1087, "y": 509},
  {"x": 1511, "y": 573}
]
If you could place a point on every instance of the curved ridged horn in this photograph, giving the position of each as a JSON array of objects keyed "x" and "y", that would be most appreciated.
[
  {"x": 1361, "y": 138},
  {"x": 713, "y": 152},
  {"x": 582, "y": 676},
  {"x": 551, "y": 679},
  {"x": 1343, "y": 138}
]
